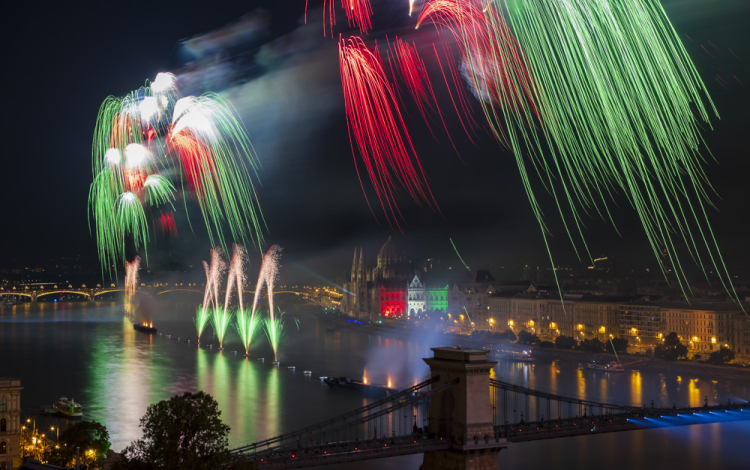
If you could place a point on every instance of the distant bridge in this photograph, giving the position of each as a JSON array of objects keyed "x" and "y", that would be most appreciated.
[
  {"x": 92, "y": 293},
  {"x": 467, "y": 426}
]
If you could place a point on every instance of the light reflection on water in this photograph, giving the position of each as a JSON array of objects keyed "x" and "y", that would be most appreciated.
[{"x": 88, "y": 352}]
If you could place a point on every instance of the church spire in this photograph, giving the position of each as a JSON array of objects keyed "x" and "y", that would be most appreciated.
[{"x": 353, "y": 276}]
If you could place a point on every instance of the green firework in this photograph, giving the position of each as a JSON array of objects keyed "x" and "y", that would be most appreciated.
[
  {"x": 202, "y": 318},
  {"x": 221, "y": 319},
  {"x": 247, "y": 326},
  {"x": 132, "y": 219},
  {"x": 617, "y": 109}
]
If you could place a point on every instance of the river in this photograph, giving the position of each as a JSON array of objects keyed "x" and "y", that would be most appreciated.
[{"x": 89, "y": 352}]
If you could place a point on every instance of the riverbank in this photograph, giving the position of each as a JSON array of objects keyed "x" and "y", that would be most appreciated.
[{"x": 444, "y": 339}]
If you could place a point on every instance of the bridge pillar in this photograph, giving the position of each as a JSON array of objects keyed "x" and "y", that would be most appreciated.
[
  {"x": 33, "y": 296},
  {"x": 463, "y": 412}
]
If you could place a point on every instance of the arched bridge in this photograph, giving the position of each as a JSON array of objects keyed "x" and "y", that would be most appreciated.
[
  {"x": 34, "y": 294},
  {"x": 92, "y": 293},
  {"x": 469, "y": 419}
]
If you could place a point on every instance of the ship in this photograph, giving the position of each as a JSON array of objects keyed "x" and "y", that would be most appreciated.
[
  {"x": 145, "y": 328},
  {"x": 68, "y": 408},
  {"x": 510, "y": 351},
  {"x": 605, "y": 366},
  {"x": 346, "y": 383}
]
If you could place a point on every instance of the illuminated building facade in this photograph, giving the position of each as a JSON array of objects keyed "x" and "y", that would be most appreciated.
[
  {"x": 393, "y": 299},
  {"x": 741, "y": 334},
  {"x": 436, "y": 300},
  {"x": 416, "y": 298},
  {"x": 10, "y": 423},
  {"x": 703, "y": 326},
  {"x": 390, "y": 288}
]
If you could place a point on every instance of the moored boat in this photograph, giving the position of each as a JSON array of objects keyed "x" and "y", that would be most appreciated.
[
  {"x": 605, "y": 366},
  {"x": 69, "y": 408},
  {"x": 347, "y": 383},
  {"x": 145, "y": 328}
]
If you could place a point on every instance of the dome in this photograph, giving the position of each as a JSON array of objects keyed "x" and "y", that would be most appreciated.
[
  {"x": 390, "y": 252},
  {"x": 392, "y": 263}
]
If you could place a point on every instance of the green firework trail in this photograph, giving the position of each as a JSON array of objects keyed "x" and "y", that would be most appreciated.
[
  {"x": 247, "y": 326},
  {"x": 612, "y": 104},
  {"x": 221, "y": 318},
  {"x": 202, "y": 318}
]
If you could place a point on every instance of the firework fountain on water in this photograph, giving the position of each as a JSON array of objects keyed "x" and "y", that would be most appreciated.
[
  {"x": 214, "y": 273},
  {"x": 246, "y": 322},
  {"x": 269, "y": 271}
]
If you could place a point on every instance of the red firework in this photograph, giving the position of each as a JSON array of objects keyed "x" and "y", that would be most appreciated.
[
  {"x": 491, "y": 58},
  {"x": 414, "y": 76},
  {"x": 358, "y": 14},
  {"x": 377, "y": 127}
]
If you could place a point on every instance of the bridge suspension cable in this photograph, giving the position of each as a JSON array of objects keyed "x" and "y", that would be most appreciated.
[{"x": 396, "y": 401}]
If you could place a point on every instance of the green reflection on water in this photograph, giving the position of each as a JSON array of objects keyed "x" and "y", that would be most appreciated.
[{"x": 124, "y": 374}]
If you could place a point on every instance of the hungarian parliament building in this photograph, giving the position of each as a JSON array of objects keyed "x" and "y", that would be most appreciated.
[{"x": 391, "y": 288}]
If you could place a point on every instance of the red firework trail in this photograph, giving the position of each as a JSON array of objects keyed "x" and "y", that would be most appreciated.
[
  {"x": 414, "y": 75},
  {"x": 167, "y": 224},
  {"x": 491, "y": 61},
  {"x": 358, "y": 13},
  {"x": 377, "y": 128}
]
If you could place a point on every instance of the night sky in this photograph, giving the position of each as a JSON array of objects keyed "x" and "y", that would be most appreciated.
[{"x": 61, "y": 60}]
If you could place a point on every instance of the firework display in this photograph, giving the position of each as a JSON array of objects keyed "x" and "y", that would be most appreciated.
[
  {"x": 597, "y": 98},
  {"x": 247, "y": 322},
  {"x": 152, "y": 148},
  {"x": 377, "y": 128},
  {"x": 269, "y": 272}
]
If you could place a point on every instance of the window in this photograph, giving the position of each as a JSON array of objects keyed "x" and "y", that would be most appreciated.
[
  {"x": 3, "y": 448},
  {"x": 3, "y": 404},
  {"x": 3, "y": 425}
]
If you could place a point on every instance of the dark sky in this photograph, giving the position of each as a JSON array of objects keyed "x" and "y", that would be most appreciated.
[{"x": 61, "y": 60}]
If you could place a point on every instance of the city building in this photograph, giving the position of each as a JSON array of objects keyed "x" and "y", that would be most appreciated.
[
  {"x": 741, "y": 334},
  {"x": 390, "y": 288},
  {"x": 416, "y": 298},
  {"x": 641, "y": 322},
  {"x": 10, "y": 423}
]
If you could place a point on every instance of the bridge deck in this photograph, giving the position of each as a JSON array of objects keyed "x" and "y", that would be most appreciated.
[
  {"x": 351, "y": 451},
  {"x": 646, "y": 418}
]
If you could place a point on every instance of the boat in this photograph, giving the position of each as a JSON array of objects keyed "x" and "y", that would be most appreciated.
[
  {"x": 511, "y": 351},
  {"x": 307, "y": 372},
  {"x": 605, "y": 366},
  {"x": 347, "y": 383},
  {"x": 68, "y": 408},
  {"x": 145, "y": 328}
]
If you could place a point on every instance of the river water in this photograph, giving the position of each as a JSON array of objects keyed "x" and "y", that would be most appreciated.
[{"x": 89, "y": 352}]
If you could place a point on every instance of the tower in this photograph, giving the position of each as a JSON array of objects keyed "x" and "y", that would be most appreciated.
[{"x": 463, "y": 412}]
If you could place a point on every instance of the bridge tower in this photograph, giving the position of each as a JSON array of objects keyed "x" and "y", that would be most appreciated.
[{"x": 463, "y": 413}]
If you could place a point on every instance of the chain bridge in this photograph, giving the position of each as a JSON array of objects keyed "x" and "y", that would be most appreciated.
[{"x": 460, "y": 418}]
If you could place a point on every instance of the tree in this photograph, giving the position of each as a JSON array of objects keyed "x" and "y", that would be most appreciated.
[
  {"x": 184, "y": 432},
  {"x": 565, "y": 342},
  {"x": 672, "y": 349},
  {"x": 722, "y": 356},
  {"x": 592, "y": 345},
  {"x": 89, "y": 437},
  {"x": 524, "y": 337},
  {"x": 620, "y": 344},
  {"x": 508, "y": 335}
]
